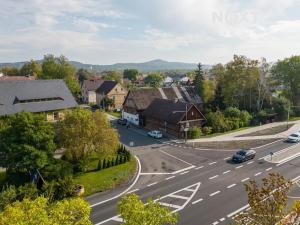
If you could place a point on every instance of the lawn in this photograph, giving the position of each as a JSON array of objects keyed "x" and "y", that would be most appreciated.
[
  {"x": 115, "y": 114},
  {"x": 227, "y": 132},
  {"x": 270, "y": 131},
  {"x": 106, "y": 179}
]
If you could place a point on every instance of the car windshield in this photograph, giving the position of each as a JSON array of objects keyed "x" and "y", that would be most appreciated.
[
  {"x": 241, "y": 152},
  {"x": 294, "y": 135}
]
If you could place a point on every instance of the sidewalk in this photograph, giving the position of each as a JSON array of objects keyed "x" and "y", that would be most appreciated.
[
  {"x": 284, "y": 155},
  {"x": 234, "y": 136}
]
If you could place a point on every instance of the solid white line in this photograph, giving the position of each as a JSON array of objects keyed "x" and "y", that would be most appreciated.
[
  {"x": 269, "y": 169},
  {"x": 212, "y": 163},
  {"x": 134, "y": 190},
  {"x": 184, "y": 169},
  {"x": 257, "y": 174},
  {"x": 149, "y": 185},
  {"x": 154, "y": 173},
  {"x": 261, "y": 158},
  {"x": 245, "y": 179},
  {"x": 134, "y": 182},
  {"x": 199, "y": 200},
  {"x": 230, "y": 186},
  {"x": 238, "y": 210},
  {"x": 215, "y": 193},
  {"x": 213, "y": 177},
  {"x": 288, "y": 159},
  {"x": 168, "y": 178},
  {"x": 239, "y": 167},
  {"x": 185, "y": 172},
  {"x": 222, "y": 219},
  {"x": 227, "y": 158},
  {"x": 117, "y": 219},
  {"x": 170, "y": 205},
  {"x": 250, "y": 162},
  {"x": 179, "y": 196},
  {"x": 215, "y": 223},
  {"x": 227, "y": 171},
  {"x": 199, "y": 167},
  {"x": 176, "y": 157}
]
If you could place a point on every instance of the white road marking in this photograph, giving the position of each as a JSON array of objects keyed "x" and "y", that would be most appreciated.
[
  {"x": 184, "y": 169},
  {"x": 213, "y": 177},
  {"x": 261, "y": 158},
  {"x": 170, "y": 205},
  {"x": 154, "y": 173},
  {"x": 227, "y": 158},
  {"x": 245, "y": 179},
  {"x": 179, "y": 196},
  {"x": 185, "y": 172},
  {"x": 117, "y": 219},
  {"x": 239, "y": 166},
  {"x": 238, "y": 210},
  {"x": 199, "y": 200},
  {"x": 199, "y": 167},
  {"x": 134, "y": 190},
  {"x": 212, "y": 163},
  {"x": 134, "y": 182},
  {"x": 168, "y": 178},
  {"x": 227, "y": 171},
  {"x": 230, "y": 186},
  {"x": 250, "y": 162},
  {"x": 149, "y": 185},
  {"x": 215, "y": 193},
  {"x": 215, "y": 223},
  {"x": 269, "y": 169},
  {"x": 257, "y": 174},
  {"x": 175, "y": 157},
  {"x": 222, "y": 219}
]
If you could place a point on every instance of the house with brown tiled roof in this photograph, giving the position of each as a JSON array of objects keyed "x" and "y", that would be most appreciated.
[
  {"x": 14, "y": 78},
  {"x": 172, "y": 117},
  {"x": 137, "y": 101},
  {"x": 88, "y": 90}
]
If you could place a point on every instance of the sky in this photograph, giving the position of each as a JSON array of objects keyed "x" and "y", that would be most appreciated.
[{"x": 111, "y": 31}]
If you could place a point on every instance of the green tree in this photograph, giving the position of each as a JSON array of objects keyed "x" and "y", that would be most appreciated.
[
  {"x": 154, "y": 80},
  {"x": 83, "y": 74},
  {"x": 131, "y": 74},
  {"x": 208, "y": 90},
  {"x": 217, "y": 121},
  {"x": 268, "y": 203},
  {"x": 10, "y": 71},
  {"x": 40, "y": 211},
  {"x": 83, "y": 133},
  {"x": 31, "y": 68},
  {"x": 217, "y": 73},
  {"x": 199, "y": 78},
  {"x": 286, "y": 73},
  {"x": 135, "y": 212},
  {"x": 60, "y": 68},
  {"x": 281, "y": 107},
  {"x": 112, "y": 75},
  {"x": 28, "y": 142}
]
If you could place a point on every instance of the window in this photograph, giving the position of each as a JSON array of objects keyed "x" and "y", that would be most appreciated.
[
  {"x": 113, "y": 97},
  {"x": 56, "y": 116}
]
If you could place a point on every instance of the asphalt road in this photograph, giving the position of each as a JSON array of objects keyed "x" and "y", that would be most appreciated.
[{"x": 204, "y": 187}]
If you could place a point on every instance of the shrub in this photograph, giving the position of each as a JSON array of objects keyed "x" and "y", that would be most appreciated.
[
  {"x": 8, "y": 195},
  {"x": 99, "y": 166},
  {"x": 207, "y": 130},
  {"x": 60, "y": 189},
  {"x": 262, "y": 116},
  {"x": 217, "y": 121},
  {"x": 194, "y": 132},
  {"x": 57, "y": 169},
  {"x": 104, "y": 164},
  {"x": 233, "y": 123},
  {"x": 245, "y": 118},
  {"x": 281, "y": 107},
  {"x": 232, "y": 112}
]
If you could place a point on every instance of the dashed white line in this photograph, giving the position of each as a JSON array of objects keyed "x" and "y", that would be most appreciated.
[
  {"x": 257, "y": 174},
  {"x": 250, "y": 162},
  {"x": 213, "y": 177},
  {"x": 239, "y": 166},
  {"x": 230, "y": 186},
  {"x": 245, "y": 179},
  {"x": 185, "y": 172},
  {"x": 227, "y": 158},
  {"x": 134, "y": 190},
  {"x": 199, "y": 167},
  {"x": 227, "y": 171},
  {"x": 261, "y": 158},
  {"x": 222, "y": 219},
  {"x": 212, "y": 163},
  {"x": 149, "y": 185},
  {"x": 199, "y": 200},
  {"x": 171, "y": 177},
  {"x": 237, "y": 211},
  {"x": 269, "y": 169},
  {"x": 215, "y": 223},
  {"x": 215, "y": 193}
]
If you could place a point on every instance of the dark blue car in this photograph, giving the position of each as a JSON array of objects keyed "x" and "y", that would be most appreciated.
[{"x": 243, "y": 155}]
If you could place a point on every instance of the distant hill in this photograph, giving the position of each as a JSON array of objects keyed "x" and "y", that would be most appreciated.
[{"x": 153, "y": 65}]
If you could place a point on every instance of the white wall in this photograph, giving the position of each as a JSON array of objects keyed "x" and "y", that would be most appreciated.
[
  {"x": 132, "y": 118},
  {"x": 92, "y": 97}
]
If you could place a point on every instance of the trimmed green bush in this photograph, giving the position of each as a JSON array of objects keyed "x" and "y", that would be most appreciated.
[
  {"x": 207, "y": 130},
  {"x": 194, "y": 132}
]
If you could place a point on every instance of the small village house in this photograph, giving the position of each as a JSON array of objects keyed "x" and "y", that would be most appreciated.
[
  {"x": 88, "y": 90},
  {"x": 112, "y": 91},
  {"x": 51, "y": 97}
]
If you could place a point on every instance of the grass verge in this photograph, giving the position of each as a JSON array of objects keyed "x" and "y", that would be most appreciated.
[
  {"x": 115, "y": 114},
  {"x": 270, "y": 131},
  {"x": 106, "y": 179},
  {"x": 227, "y": 132}
]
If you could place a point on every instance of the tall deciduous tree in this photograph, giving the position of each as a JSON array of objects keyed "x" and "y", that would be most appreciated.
[
  {"x": 83, "y": 133},
  {"x": 131, "y": 74},
  {"x": 10, "y": 71},
  {"x": 154, "y": 79},
  {"x": 39, "y": 211},
  {"x": 267, "y": 203},
  {"x": 112, "y": 75},
  {"x": 27, "y": 142},
  {"x": 134, "y": 212},
  {"x": 286, "y": 72},
  {"x": 31, "y": 68}
]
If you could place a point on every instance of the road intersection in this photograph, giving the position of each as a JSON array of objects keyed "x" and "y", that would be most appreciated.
[{"x": 169, "y": 169}]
